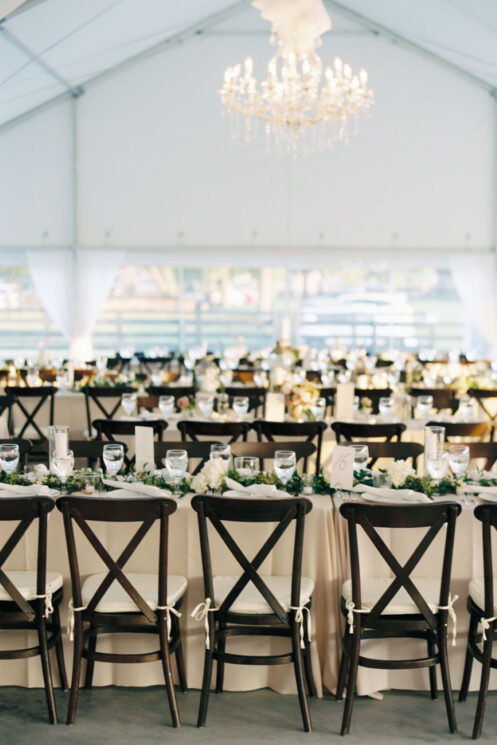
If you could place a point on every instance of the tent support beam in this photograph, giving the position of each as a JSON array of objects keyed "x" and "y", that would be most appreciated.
[{"x": 379, "y": 29}]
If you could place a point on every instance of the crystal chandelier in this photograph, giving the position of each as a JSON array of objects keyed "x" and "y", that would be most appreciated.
[{"x": 299, "y": 105}]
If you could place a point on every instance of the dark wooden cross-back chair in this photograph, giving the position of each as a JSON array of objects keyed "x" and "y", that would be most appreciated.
[
  {"x": 39, "y": 395},
  {"x": 6, "y": 402},
  {"x": 112, "y": 428},
  {"x": 256, "y": 396},
  {"x": 306, "y": 431},
  {"x": 106, "y": 399},
  {"x": 195, "y": 450},
  {"x": 394, "y": 450},
  {"x": 190, "y": 428},
  {"x": 374, "y": 395},
  {"x": 30, "y": 600},
  {"x": 483, "y": 396},
  {"x": 266, "y": 450},
  {"x": 250, "y": 604},
  {"x": 443, "y": 398},
  {"x": 464, "y": 429},
  {"x": 482, "y": 608},
  {"x": 351, "y": 431},
  {"x": 171, "y": 390},
  {"x": 373, "y": 608},
  {"x": 117, "y": 602}
]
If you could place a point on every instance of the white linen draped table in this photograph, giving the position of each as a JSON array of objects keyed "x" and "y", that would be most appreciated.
[
  {"x": 320, "y": 563},
  {"x": 467, "y": 563}
]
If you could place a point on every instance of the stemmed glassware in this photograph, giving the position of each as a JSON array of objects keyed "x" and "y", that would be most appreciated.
[
  {"x": 424, "y": 405},
  {"x": 465, "y": 409},
  {"x": 458, "y": 459},
  {"x": 113, "y": 457},
  {"x": 247, "y": 465},
  {"x": 63, "y": 465},
  {"x": 176, "y": 465},
  {"x": 240, "y": 406},
  {"x": 361, "y": 456},
  {"x": 386, "y": 407},
  {"x": 285, "y": 463},
  {"x": 318, "y": 409},
  {"x": 128, "y": 402},
  {"x": 205, "y": 403},
  {"x": 9, "y": 456},
  {"x": 222, "y": 451},
  {"x": 166, "y": 406}
]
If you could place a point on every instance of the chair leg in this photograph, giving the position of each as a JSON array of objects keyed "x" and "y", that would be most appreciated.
[
  {"x": 90, "y": 661},
  {"x": 47, "y": 672},
  {"x": 220, "y": 662},
  {"x": 468, "y": 664},
  {"x": 168, "y": 674},
  {"x": 76, "y": 668},
  {"x": 444, "y": 667},
  {"x": 433, "y": 669},
  {"x": 342, "y": 673},
  {"x": 59, "y": 650},
  {"x": 206, "y": 685},
  {"x": 485, "y": 675},
  {"x": 351, "y": 681},
  {"x": 299, "y": 677},
  {"x": 311, "y": 687},
  {"x": 180, "y": 660}
]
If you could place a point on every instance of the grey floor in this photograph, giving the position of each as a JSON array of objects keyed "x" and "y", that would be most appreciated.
[{"x": 121, "y": 716}]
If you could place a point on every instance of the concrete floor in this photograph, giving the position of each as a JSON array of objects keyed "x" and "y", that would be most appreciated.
[{"x": 140, "y": 716}]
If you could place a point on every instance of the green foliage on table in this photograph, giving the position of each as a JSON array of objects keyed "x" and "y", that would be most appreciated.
[
  {"x": 157, "y": 479},
  {"x": 364, "y": 476},
  {"x": 74, "y": 483},
  {"x": 320, "y": 485},
  {"x": 294, "y": 486}
]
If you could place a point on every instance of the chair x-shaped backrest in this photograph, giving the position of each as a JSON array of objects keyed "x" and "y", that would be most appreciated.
[
  {"x": 219, "y": 509},
  {"x": 43, "y": 393},
  {"x": 98, "y": 395},
  {"x": 131, "y": 511},
  {"x": 26, "y": 510},
  {"x": 305, "y": 431},
  {"x": 363, "y": 516}
]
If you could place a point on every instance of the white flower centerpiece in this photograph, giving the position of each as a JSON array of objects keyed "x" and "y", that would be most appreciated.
[
  {"x": 211, "y": 477},
  {"x": 398, "y": 471}
]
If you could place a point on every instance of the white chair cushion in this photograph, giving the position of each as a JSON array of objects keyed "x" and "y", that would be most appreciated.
[
  {"x": 402, "y": 603},
  {"x": 476, "y": 592},
  {"x": 117, "y": 600},
  {"x": 26, "y": 584},
  {"x": 250, "y": 599}
]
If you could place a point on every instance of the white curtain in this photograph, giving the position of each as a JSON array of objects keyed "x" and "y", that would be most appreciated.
[
  {"x": 73, "y": 286},
  {"x": 475, "y": 280}
]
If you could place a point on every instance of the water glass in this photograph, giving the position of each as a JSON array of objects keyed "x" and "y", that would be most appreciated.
[
  {"x": 437, "y": 464},
  {"x": 157, "y": 378},
  {"x": 63, "y": 465},
  {"x": 466, "y": 405},
  {"x": 381, "y": 480},
  {"x": 176, "y": 464},
  {"x": 424, "y": 405},
  {"x": 458, "y": 459},
  {"x": 434, "y": 440},
  {"x": 361, "y": 455},
  {"x": 226, "y": 377},
  {"x": 386, "y": 407},
  {"x": 128, "y": 402},
  {"x": 247, "y": 465},
  {"x": 166, "y": 406},
  {"x": 31, "y": 473},
  {"x": 205, "y": 404},
  {"x": 9, "y": 456},
  {"x": 223, "y": 404},
  {"x": 318, "y": 409},
  {"x": 285, "y": 462},
  {"x": 113, "y": 457},
  {"x": 240, "y": 406},
  {"x": 222, "y": 451},
  {"x": 260, "y": 378}
]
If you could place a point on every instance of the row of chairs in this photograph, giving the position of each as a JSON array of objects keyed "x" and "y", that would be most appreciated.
[{"x": 247, "y": 604}]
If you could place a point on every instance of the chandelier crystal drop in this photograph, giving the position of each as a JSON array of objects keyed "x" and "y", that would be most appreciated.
[{"x": 299, "y": 105}]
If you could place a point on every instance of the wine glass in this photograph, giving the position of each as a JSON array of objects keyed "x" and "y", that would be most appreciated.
[
  {"x": 386, "y": 407},
  {"x": 361, "y": 455},
  {"x": 113, "y": 457},
  {"x": 157, "y": 378},
  {"x": 128, "y": 402},
  {"x": 318, "y": 409},
  {"x": 285, "y": 462},
  {"x": 458, "y": 459},
  {"x": 9, "y": 456},
  {"x": 222, "y": 451},
  {"x": 247, "y": 465},
  {"x": 176, "y": 465},
  {"x": 240, "y": 406},
  {"x": 205, "y": 403},
  {"x": 63, "y": 465},
  {"x": 466, "y": 408},
  {"x": 166, "y": 406},
  {"x": 424, "y": 406}
]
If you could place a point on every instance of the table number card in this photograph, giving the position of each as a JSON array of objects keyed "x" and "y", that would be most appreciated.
[
  {"x": 342, "y": 468},
  {"x": 275, "y": 407},
  {"x": 344, "y": 402},
  {"x": 144, "y": 447}
]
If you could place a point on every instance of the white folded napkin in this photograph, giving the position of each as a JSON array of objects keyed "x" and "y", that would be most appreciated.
[
  {"x": 33, "y": 490},
  {"x": 255, "y": 490},
  {"x": 485, "y": 492},
  {"x": 394, "y": 496},
  {"x": 137, "y": 488}
]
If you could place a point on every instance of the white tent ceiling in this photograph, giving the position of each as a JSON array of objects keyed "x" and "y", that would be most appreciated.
[{"x": 51, "y": 48}]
